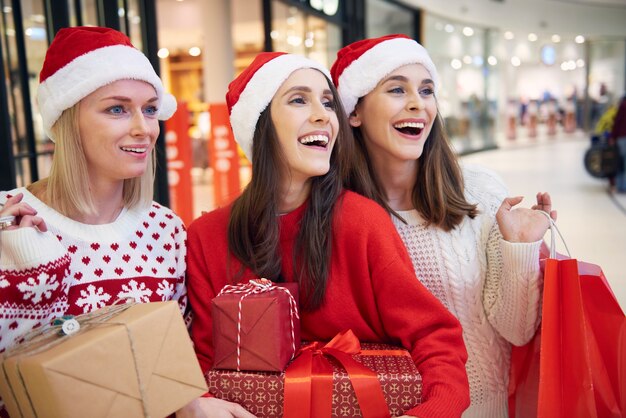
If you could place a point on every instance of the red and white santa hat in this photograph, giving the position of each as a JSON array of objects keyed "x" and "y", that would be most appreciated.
[
  {"x": 361, "y": 65},
  {"x": 252, "y": 91},
  {"x": 80, "y": 60}
]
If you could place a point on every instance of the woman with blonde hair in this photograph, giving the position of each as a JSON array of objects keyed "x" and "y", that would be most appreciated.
[{"x": 90, "y": 234}]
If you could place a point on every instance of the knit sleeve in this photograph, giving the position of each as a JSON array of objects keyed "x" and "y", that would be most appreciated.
[
  {"x": 200, "y": 294},
  {"x": 34, "y": 281},
  {"x": 513, "y": 282},
  {"x": 418, "y": 320}
]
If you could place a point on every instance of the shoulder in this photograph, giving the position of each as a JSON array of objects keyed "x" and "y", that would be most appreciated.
[
  {"x": 360, "y": 209},
  {"x": 483, "y": 185},
  {"x": 211, "y": 221},
  {"x": 164, "y": 215}
]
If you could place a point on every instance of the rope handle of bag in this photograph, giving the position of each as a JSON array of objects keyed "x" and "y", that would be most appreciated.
[{"x": 553, "y": 228}]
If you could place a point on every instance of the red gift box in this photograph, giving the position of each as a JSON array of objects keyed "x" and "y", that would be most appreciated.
[
  {"x": 262, "y": 393},
  {"x": 255, "y": 326}
]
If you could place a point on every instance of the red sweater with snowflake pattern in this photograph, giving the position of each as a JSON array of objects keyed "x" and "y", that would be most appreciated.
[
  {"x": 372, "y": 289},
  {"x": 76, "y": 268}
]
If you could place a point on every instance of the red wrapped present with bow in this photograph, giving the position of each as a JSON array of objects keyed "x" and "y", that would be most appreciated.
[
  {"x": 342, "y": 378},
  {"x": 256, "y": 326}
]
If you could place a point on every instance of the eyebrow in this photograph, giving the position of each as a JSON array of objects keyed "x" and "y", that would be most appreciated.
[
  {"x": 304, "y": 89},
  {"x": 404, "y": 79},
  {"x": 127, "y": 99}
]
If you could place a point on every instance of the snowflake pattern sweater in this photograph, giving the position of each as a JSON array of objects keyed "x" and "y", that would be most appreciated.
[
  {"x": 492, "y": 286},
  {"x": 76, "y": 268},
  {"x": 372, "y": 290}
]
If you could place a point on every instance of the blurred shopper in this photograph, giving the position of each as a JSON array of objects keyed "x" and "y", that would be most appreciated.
[
  {"x": 618, "y": 134},
  {"x": 469, "y": 246},
  {"x": 295, "y": 223},
  {"x": 90, "y": 234}
]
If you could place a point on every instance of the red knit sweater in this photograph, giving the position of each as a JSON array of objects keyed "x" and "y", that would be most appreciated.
[{"x": 372, "y": 289}]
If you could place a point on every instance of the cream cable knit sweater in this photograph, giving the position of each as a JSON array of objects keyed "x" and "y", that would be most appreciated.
[{"x": 492, "y": 286}]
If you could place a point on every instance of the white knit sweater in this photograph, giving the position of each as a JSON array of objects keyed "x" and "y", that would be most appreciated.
[{"x": 492, "y": 286}]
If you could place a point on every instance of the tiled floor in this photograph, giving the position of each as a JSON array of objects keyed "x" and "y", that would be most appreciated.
[{"x": 592, "y": 221}]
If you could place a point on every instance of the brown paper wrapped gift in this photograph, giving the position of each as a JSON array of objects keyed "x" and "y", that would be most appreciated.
[
  {"x": 262, "y": 393},
  {"x": 125, "y": 361},
  {"x": 266, "y": 329}
]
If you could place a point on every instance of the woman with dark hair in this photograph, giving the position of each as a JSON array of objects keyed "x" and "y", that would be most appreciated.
[
  {"x": 295, "y": 223},
  {"x": 469, "y": 247}
]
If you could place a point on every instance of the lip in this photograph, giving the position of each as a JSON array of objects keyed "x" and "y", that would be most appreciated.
[
  {"x": 410, "y": 120},
  {"x": 138, "y": 155},
  {"x": 317, "y": 133}
]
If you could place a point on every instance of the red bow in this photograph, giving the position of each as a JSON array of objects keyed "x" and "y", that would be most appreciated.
[{"x": 309, "y": 380}]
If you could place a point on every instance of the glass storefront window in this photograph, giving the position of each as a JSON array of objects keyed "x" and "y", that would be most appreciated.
[
  {"x": 298, "y": 32},
  {"x": 247, "y": 32},
  {"x": 384, "y": 18},
  {"x": 466, "y": 99}
]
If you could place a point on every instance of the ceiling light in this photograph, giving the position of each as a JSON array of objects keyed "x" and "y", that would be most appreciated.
[
  {"x": 532, "y": 37},
  {"x": 508, "y": 35},
  {"x": 449, "y": 28},
  {"x": 556, "y": 38},
  {"x": 579, "y": 39},
  {"x": 467, "y": 31},
  {"x": 492, "y": 60},
  {"x": 163, "y": 53},
  {"x": 194, "y": 51},
  {"x": 515, "y": 61},
  {"x": 456, "y": 64}
]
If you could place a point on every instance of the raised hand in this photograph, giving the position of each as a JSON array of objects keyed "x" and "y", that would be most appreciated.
[
  {"x": 523, "y": 224},
  {"x": 25, "y": 215}
]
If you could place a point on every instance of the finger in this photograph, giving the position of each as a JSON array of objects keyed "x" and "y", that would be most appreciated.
[
  {"x": 39, "y": 223},
  {"x": 553, "y": 215},
  {"x": 241, "y": 412},
  {"x": 509, "y": 202},
  {"x": 547, "y": 202},
  {"x": 18, "y": 209}
]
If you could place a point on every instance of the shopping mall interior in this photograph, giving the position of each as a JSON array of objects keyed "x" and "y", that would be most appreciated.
[{"x": 525, "y": 84}]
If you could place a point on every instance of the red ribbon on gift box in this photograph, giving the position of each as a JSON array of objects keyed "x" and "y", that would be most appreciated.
[
  {"x": 309, "y": 380},
  {"x": 253, "y": 287}
]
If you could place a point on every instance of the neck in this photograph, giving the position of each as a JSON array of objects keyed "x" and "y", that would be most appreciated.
[
  {"x": 293, "y": 196},
  {"x": 397, "y": 178},
  {"x": 108, "y": 202}
]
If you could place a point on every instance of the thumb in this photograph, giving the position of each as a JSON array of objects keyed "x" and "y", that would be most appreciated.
[{"x": 509, "y": 202}]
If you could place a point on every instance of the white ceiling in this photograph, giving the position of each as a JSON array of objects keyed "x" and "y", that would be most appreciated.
[{"x": 591, "y": 18}]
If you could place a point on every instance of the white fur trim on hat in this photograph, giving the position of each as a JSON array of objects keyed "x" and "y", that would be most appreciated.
[
  {"x": 259, "y": 92},
  {"x": 365, "y": 72},
  {"x": 87, "y": 73}
]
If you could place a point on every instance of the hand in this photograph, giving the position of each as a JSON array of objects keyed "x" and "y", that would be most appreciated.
[
  {"x": 523, "y": 224},
  {"x": 212, "y": 408},
  {"x": 25, "y": 215}
]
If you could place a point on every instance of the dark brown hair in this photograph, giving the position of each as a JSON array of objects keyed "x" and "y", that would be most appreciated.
[
  {"x": 253, "y": 230},
  {"x": 438, "y": 190}
]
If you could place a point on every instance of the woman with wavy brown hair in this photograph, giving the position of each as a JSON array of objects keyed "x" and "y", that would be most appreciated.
[
  {"x": 295, "y": 223},
  {"x": 469, "y": 246}
]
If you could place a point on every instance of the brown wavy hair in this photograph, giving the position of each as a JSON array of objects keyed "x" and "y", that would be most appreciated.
[
  {"x": 253, "y": 230},
  {"x": 438, "y": 192}
]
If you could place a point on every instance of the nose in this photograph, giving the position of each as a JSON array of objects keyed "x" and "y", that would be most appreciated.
[
  {"x": 319, "y": 112},
  {"x": 416, "y": 102},
  {"x": 139, "y": 127}
]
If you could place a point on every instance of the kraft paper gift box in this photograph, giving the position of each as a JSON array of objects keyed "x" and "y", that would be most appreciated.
[
  {"x": 125, "y": 361},
  {"x": 262, "y": 393},
  {"x": 269, "y": 333}
]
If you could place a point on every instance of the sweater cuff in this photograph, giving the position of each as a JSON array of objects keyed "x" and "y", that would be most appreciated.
[
  {"x": 24, "y": 248},
  {"x": 522, "y": 257}
]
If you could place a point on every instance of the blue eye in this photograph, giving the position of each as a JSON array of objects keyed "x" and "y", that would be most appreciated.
[
  {"x": 427, "y": 91},
  {"x": 396, "y": 90},
  {"x": 151, "y": 110},
  {"x": 298, "y": 100},
  {"x": 116, "y": 110}
]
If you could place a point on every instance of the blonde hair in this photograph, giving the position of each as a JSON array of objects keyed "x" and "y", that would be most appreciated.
[{"x": 67, "y": 191}]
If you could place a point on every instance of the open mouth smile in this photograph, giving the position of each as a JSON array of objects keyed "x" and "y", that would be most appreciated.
[{"x": 410, "y": 128}]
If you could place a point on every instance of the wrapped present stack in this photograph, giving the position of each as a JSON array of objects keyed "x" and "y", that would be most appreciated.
[{"x": 132, "y": 360}]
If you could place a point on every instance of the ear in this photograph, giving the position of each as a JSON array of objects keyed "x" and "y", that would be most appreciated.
[{"x": 354, "y": 119}]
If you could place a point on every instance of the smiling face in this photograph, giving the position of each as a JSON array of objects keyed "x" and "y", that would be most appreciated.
[
  {"x": 306, "y": 125},
  {"x": 397, "y": 116},
  {"x": 118, "y": 127}
]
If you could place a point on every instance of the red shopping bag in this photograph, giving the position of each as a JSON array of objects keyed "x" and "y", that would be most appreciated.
[{"x": 574, "y": 366}]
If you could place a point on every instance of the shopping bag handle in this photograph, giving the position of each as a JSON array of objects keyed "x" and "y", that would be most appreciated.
[{"x": 553, "y": 228}]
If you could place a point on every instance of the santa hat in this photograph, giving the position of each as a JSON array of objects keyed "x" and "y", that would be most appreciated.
[
  {"x": 361, "y": 65},
  {"x": 80, "y": 60},
  {"x": 252, "y": 91}
]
